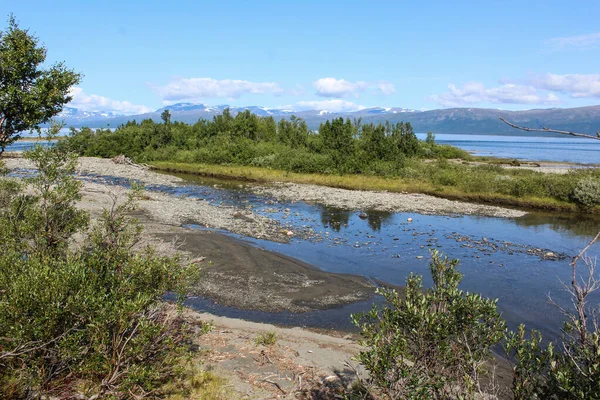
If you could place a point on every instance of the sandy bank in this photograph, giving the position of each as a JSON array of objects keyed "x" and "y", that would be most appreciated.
[{"x": 233, "y": 272}]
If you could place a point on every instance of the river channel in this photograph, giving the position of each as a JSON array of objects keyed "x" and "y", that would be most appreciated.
[{"x": 518, "y": 261}]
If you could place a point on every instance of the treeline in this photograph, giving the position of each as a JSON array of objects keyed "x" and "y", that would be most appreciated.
[{"x": 339, "y": 146}]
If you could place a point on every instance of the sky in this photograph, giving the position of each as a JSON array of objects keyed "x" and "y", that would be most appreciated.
[{"x": 138, "y": 56}]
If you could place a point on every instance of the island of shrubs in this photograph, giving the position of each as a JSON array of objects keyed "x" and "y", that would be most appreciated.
[{"x": 342, "y": 148}]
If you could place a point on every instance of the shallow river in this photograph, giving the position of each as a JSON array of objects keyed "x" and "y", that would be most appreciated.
[
  {"x": 501, "y": 258},
  {"x": 519, "y": 261}
]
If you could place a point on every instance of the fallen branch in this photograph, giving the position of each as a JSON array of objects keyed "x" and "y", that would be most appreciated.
[
  {"x": 122, "y": 159},
  {"x": 276, "y": 385}
]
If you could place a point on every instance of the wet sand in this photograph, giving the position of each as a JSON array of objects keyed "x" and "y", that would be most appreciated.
[{"x": 238, "y": 274}]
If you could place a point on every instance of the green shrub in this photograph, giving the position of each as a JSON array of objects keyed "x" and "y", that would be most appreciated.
[
  {"x": 430, "y": 344},
  {"x": 267, "y": 338},
  {"x": 571, "y": 368},
  {"x": 587, "y": 192},
  {"x": 85, "y": 313}
]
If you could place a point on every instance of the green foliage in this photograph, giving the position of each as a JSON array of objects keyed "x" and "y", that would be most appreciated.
[
  {"x": 572, "y": 370},
  {"x": 541, "y": 372},
  {"x": 79, "y": 305},
  {"x": 206, "y": 327},
  {"x": 267, "y": 338},
  {"x": 340, "y": 146},
  {"x": 430, "y": 344},
  {"x": 587, "y": 192},
  {"x": 430, "y": 139},
  {"x": 29, "y": 94}
]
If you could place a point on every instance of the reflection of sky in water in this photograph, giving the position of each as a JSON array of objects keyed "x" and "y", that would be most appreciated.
[{"x": 384, "y": 246}]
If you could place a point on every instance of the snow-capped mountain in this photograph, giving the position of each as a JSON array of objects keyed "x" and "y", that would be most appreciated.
[
  {"x": 452, "y": 120},
  {"x": 70, "y": 113}
]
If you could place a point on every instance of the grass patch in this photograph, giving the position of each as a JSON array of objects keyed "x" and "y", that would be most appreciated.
[
  {"x": 199, "y": 384},
  {"x": 267, "y": 338}
]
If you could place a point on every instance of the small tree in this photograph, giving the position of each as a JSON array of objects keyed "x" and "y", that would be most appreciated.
[
  {"x": 29, "y": 94},
  {"x": 431, "y": 344},
  {"x": 166, "y": 117}
]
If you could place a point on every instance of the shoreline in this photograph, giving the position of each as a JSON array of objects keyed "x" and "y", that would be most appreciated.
[
  {"x": 367, "y": 183},
  {"x": 246, "y": 277},
  {"x": 235, "y": 273}
]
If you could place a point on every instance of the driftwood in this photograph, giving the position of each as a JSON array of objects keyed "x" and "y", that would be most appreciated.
[{"x": 122, "y": 159}]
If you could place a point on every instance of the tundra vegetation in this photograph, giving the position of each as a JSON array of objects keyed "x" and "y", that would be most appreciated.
[
  {"x": 80, "y": 303},
  {"x": 81, "y": 310},
  {"x": 342, "y": 153}
]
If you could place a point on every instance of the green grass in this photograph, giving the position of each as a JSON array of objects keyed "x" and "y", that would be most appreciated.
[
  {"x": 267, "y": 338},
  {"x": 487, "y": 184},
  {"x": 199, "y": 384}
]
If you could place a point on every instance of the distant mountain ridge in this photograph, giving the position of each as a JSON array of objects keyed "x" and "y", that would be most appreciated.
[{"x": 451, "y": 120}]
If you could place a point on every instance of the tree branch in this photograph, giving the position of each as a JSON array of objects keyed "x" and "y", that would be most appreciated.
[
  {"x": 582, "y": 252},
  {"x": 597, "y": 137}
]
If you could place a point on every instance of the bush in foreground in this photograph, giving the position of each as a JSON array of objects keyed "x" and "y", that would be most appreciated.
[
  {"x": 430, "y": 344},
  {"x": 80, "y": 316}
]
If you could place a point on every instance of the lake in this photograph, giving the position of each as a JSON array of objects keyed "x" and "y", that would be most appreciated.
[{"x": 528, "y": 148}]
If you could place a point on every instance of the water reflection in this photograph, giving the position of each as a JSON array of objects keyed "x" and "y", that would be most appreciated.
[
  {"x": 500, "y": 258},
  {"x": 572, "y": 225},
  {"x": 335, "y": 218},
  {"x": 377, "y": 219}
]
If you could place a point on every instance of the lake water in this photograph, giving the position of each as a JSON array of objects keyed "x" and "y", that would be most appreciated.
[{"x": 529, "y": 148}]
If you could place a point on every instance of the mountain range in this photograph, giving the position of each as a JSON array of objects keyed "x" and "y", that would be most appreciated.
[{"x": 450, "y": 120}]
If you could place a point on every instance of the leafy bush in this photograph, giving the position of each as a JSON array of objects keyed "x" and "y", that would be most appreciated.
[
  {"x": 430, "y": 344},
  {"x": 86, "y": 314},
  {"x": 587, "y": 192},
  {"x": 570, "y": 369}
]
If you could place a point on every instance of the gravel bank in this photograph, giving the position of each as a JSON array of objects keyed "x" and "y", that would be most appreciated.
[
  {"x": 164, "y": 208},
  {"x": 233, "y": 273},
  {"x": 382, "y": 201},
  {"x": 187, "y": 210}
]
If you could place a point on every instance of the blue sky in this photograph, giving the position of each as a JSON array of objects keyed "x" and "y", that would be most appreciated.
[{"x": 334, "y": 55}]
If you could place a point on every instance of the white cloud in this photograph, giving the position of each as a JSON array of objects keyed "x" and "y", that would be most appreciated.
[
  {"x": 386, "y": 88},
  {"x": 93, "y": 102},
  {"x": 577, "y": 85},
  {"x": 332, "y": 87},
  {"x": 196, "y": 88},
  {"x": 475, "y": 92},
  {"x": 334, "y": 105},
  {"x": 581, "y": 42}
]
